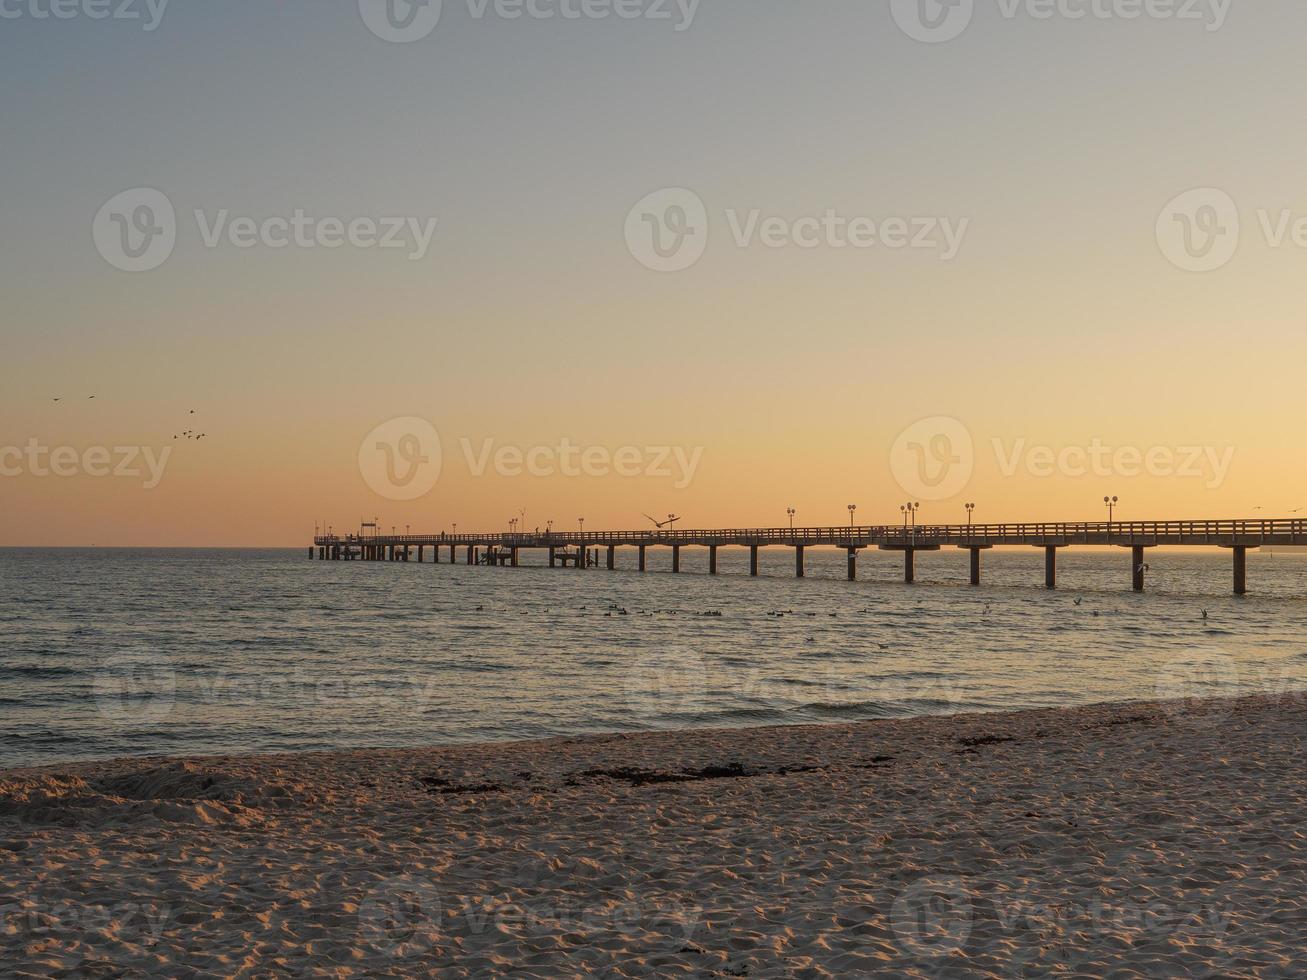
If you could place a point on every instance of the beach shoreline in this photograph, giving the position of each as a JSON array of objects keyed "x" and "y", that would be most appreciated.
[{"x": 1141, "y": 836}]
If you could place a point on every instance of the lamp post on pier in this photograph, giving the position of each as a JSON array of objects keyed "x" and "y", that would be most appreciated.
[
  {"x": 910, "y": 514},
  {"x": 1111, "y": 503},
  {"x": 791, "y": 512},
  {"x": 970, "y": 508},
  {"x": 852, "y": 508}
]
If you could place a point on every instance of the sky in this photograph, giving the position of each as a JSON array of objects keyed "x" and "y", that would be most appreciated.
[{"x": 717, "y": 260}]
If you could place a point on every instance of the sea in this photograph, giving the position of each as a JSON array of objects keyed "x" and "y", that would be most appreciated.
[{"x": 127, "y": 652}]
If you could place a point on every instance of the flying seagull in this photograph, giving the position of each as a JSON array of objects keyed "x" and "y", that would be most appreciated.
[
  {"x": 56, "y": 399},
  {"x": 660, "y": 526}
]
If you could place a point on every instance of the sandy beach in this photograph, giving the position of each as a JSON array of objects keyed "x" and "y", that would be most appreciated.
[{"x": 1131, "y": 839}]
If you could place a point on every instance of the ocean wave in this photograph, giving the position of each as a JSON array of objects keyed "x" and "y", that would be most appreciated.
[
  {"x": 38, "y": 670},
  {"x": 848, "y": 709}
]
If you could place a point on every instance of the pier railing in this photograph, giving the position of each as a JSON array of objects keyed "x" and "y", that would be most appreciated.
[{"x": 1038, "y": 534}]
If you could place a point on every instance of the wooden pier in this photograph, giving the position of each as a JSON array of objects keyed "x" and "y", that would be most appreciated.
[{"x": 583, "y": 549}]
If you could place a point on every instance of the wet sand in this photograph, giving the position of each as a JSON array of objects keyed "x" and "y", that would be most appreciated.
[{"x": 1132, "y": 839}]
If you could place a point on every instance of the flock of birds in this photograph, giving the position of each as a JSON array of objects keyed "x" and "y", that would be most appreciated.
[
  {"x": 614, "y": 609},
  {"x": 185, "y": 434},
  {"x": 191, "y": 433}
]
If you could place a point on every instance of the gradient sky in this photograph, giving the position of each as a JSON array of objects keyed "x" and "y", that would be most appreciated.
[{"x": 1059, "y": 322}]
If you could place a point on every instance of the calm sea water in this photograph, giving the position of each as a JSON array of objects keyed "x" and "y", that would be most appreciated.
[{"x": 125, "y": 652}]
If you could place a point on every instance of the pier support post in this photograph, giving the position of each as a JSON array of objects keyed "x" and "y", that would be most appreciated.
[
  {"x": 676, "y": 558},
  {"x": 553, "y": 557},
  {"x": 512, "y": 557},
  {"x": 642, "y": 564},
  {"x": 435, "y": 554},
  {"x": 1050, "y": 568},
  {"x": 453, "y": 554},
  {"x": 406, "y": 552},
  {"x": 1240, "y": 570},
  {"x": 712, "y": 559},
  {"x": 582, "y": 556},
  {"x": 612, "y": 557},
  {"x": 853, "y": 564},
  {"x": 421, "y": 553},
  {"x": 975, "y": 566},
  {"x": 909, "y": 566},
  {"x": 753, "y": 560},
  {"x": 471, "y": 557},
  {"x": 1137, "y": 567},
  {"x": 798, "y": 561}
]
